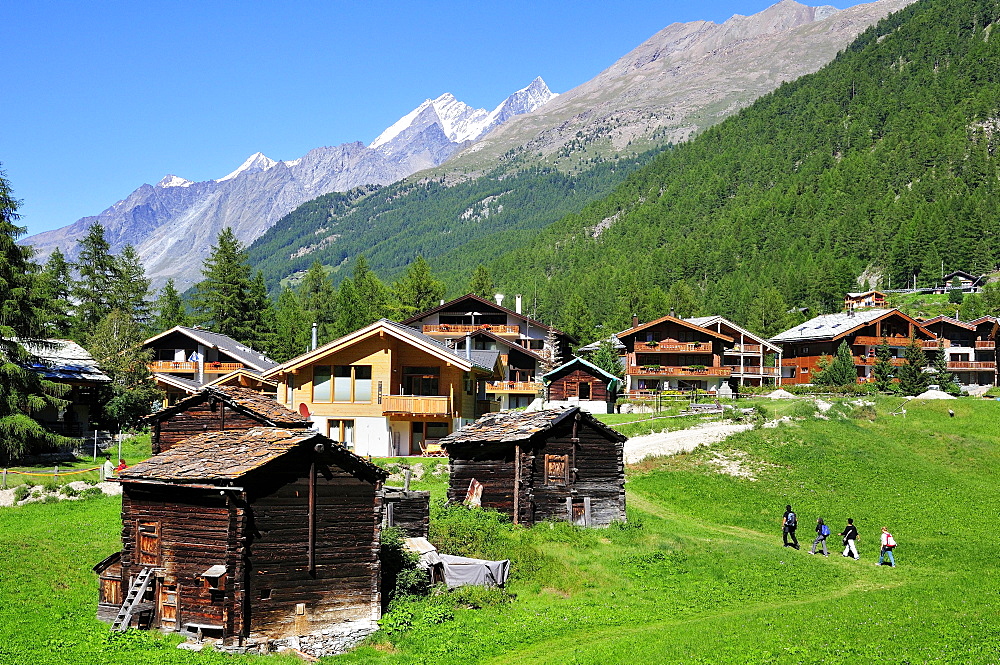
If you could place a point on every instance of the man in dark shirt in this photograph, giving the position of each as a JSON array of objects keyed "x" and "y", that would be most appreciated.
[
  {"x": 789, "y": 521},
  {"x": 850, "y": 535}
]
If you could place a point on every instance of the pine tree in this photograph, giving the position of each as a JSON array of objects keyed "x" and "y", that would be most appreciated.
[
  {"x": 292, "y": 328},
  {"x": 883, "y": 369},
  {"x": 170, "y": 310},
  {"x": 418, "y": 290},
  {"x": 56, "y": 284},
  {"x": 97, "y": 273},
  {"x": 223, "y": 300},
  {"x": 944, "y": 378},
  {"x": 608, "y": 359},
  {"x": 840, "y": 371},
  {"x": 116, "y": 344},
  {"x": 577, "y": 319},
  {"x": 551, "y": 356},
  {"x": 317, "y": 299},
  {"x": 912, "y": 378},
  {"x": 682, "y": 299},
  {"x": 22, "y": 318},
  {"x": 130, "y": 288},
  {"x": 481, "y": 283}
]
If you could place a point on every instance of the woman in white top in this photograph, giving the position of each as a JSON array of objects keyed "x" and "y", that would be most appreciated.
[{"x": 888, "y": 543}]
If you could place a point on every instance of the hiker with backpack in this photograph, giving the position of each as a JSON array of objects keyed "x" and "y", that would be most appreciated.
[
  {"x": 822, "y": 531},
  {"x": 788, "y": 523},
  {"x": 888, "y": 545},
  {"x": 850, "y": 534}
]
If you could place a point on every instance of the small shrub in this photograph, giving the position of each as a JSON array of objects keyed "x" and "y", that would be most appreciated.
[
  {"x": 69, "y": 491},
  {"x": 50, "y": 486},
  {"x": 51, "y": 498},
  {"x": 400, "y": 619},
  {"x": 804, "y": 409},
  {"x": 91, "y": 492},
  {"x": 21, "y": 492},
  {"x": 35, "y": 494},
  {"x": 400, "y": 576}
]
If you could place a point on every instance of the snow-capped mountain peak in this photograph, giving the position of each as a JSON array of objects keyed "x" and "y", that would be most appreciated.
[
  {"x": 254, "y": 164},
  {"x": 174, "y": 181}
]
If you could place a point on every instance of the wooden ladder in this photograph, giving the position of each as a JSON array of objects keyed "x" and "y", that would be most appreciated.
[{"x": 134, "y": 597}]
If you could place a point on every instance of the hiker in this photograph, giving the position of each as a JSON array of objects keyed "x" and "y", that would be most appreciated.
[
  {"x": 850, "y": 534},
  {"x": 121, "y": 466},
  {"x": 788, "y": 523},
  {"x": 888, "y": 545},
  {"x": 108, "y": 469},
  {"x": 822, "y": 531}
]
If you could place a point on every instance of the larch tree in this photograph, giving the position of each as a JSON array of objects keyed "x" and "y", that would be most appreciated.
[
  {"x": 418, "y": 290},
  {"x": 56, "y": 285},
  {"x": 97, "y": 273},
  {"x": 22, "y": 320},
  {"x": 317, "y": 298},
  {"x": 170, "y": 309},
  {"x": 116, "y": 344},
  {"x": 223, "y": 299},
  {"x": 481, "y": 283},
  {"x": 130, "y": 289},
  {"x": 292, "y": 327}
]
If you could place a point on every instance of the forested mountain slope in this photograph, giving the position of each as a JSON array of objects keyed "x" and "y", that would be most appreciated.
[{"x": 884, "y": 162}]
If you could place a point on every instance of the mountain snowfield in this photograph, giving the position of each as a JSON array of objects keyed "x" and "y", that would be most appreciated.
[{"x": 174, "y": 223}]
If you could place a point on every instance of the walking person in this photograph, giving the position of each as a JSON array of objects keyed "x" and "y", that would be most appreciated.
[
  {"x": 788, "y": 523},
  {"x": 888, "y": 545},
  {"x": 850, "y": 534},
  {"x": 822, "y": 531}
]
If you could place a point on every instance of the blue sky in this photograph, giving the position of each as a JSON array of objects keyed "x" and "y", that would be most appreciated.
[{"x": 102, "y": 97}]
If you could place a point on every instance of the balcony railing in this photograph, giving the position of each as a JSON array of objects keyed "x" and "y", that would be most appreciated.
[
  {"x": 449, "y": 328},
  {"x": 672, "y": 347},
  {"x": 871, "y": 360},
  {"x": 744, "y": 348},
  {"x": 990, "y": 344},
  {"x": 964, "y": 364},
  {"x": 210, "y": 367},
  {"x": 896, "y": 341},
  {"x": 417, "y": 405},
  {"x": 753, "y": 370},
  {"x": 659, "y": 370},
  {"x": 513, "y": 386}
]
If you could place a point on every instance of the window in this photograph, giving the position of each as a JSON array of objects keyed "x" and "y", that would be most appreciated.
[
  {"x": 436, "y": 430},
  {"x": 421, "y": 380},
  {"x": 265, "y": 594},
  {"x": 342, "y": 431},
  {"x": 556, "y": 469},
  {"x": 342, "y": 383}
]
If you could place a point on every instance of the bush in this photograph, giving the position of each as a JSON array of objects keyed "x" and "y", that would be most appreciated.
[
  {"x": 51, "y": 486},
  {"x": 91, "y": 492},
  {"x": 69, "y": 491},
  {"x": 21, "y": 492},
  {"x": 401, "y": 577}
]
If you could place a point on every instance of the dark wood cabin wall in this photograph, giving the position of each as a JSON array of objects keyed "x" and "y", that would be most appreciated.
[
  {"x": 110, "y": 594},
  {"x": 493, "y": 466},
  {"x": 599, "y": 475},
  {"x": 196, "y": 419},
  {"x": 563, "y": 387},
  {"x": 411, "y": 511},
  {"x": 345, "y": 583},
  {"x": 194, "y": 534}
]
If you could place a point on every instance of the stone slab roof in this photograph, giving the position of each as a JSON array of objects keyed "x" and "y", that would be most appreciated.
[
  {"x": 518, "y": 426},
  {"x": 64, "y": 360}
]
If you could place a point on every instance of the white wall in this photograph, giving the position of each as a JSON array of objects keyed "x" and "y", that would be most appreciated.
[{"x": 590, "y": 406}]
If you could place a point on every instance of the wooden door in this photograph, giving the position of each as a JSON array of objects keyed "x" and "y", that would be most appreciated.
[
  {"x": 148, "y": 543},
  {"x": 166, "y": 606}
]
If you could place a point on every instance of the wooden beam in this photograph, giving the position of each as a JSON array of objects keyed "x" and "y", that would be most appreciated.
[
  {"x": 312, "y": 518},
  {"x": 517, "y": 483}
]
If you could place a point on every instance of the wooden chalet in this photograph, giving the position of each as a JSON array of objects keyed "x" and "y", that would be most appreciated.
[
  {"x": 674, "y": 354},
  {"x": 184, "y": 359},
  {"x": 970, "y": 348},
  {"x": 387, "y": 389},
  {"x": 864, "y": 300},
  {"x": 752, "y": 360},
  {"x": 556, "y": 464},
  {"x": 863, "y": 331},
  {"x": 259, "y": 533},
  {"x": 967, "y": 282},
  {"x": 218, "y": 408},
  {"x": 581, "y": 383},
  {"x": 520, "y": 370}
]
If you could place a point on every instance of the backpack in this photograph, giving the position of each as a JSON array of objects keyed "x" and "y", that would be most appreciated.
[
  {"x": 890, "y": 541},
  {"x": 824, "y": 530},
  {"x": 790, "y": 520}
]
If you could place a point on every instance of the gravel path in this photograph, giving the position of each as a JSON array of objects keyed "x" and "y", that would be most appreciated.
[
  {"x": 669, "y": 443},
  {"x": 7, "y": 496}
]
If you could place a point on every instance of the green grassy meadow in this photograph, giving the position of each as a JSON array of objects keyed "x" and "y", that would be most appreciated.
[{"x": 698, "y": 575}]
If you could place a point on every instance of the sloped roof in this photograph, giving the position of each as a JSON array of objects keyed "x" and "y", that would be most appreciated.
[
  {"x": 401, "y": 331},
  {"x": 178, "y": 382},
  {"x": 517, "y": 426},
  {"x": 594, "y": 346},
  {"x": 613, "y": 381},
  {"x": 248, "y": 401},
  {"x": 241, "y": 352},
  {"x": 506, "y": 342},
  {"x": 859, "y": 294},
  {"x": 472, "y": 296},
  {"x": 950, "y": 321},
  {"x": 64, "y": 360},
  {"x": 706, "y": 321},
  {"x": 832, "y": 326},
  {"x": 673, "y": 319},
  {"x": 216, "y": 457},
  {"x": 236, "y": 373}
]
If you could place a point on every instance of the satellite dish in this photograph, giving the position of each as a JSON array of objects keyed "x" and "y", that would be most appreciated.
[{"x": 304, "y": 410}]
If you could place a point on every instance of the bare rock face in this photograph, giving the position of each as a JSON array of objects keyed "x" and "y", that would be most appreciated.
[{"x": 683, "y": 79}]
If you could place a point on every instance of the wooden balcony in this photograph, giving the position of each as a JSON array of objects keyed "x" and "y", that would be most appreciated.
[
  {"x": 416, "y": 405},
  {"x": 168, "y": 366},
  {"x": 871, "y": 360},
  {"x": 744, "y": 348},
  {"x": 668, "y": 346},
  {"x": 462, "y": 328},
  {"x": 753, "y": 370},
  {"x": 964, "y": 364},
  {"x": 513, "y": 386},
  {"x": 898, "y": 341},
  {"x": 988, "y": 345},
  {"x": 659, "y": 370}
]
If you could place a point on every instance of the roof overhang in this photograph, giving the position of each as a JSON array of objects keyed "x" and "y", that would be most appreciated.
[{"x": 674, "y": 319}]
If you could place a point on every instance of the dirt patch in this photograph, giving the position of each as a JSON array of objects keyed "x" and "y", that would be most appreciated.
[
  {"x": 670, "y": 443},
  {"x": 738, "y": 464}
]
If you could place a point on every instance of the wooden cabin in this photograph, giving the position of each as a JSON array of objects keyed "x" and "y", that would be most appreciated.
[
  {"x": 581, "y": 383},
  {"x": 407, "y": 510},
  {"x": 864, "y": 300},
  {"x": 970, "y": 348},
  {"x": 217, "y": 408},
  {"x": 556, "y": 464},
  {"x": 261, "y": 533}
]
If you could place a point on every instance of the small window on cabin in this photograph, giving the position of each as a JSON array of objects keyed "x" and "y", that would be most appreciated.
[
  {"x": 321, "y": 383},
  {"x": 805, "y": 350},
  {"x": 536, "y": 344},
  {"x": 265, "y": 594},
  {"x": 362, "y": 383},
  {"x": 556, "y": 469}
]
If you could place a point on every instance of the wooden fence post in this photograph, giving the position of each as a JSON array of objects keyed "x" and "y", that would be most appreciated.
[
  {"x": 5, "y": 479},
  {"x": 55, "y": 474}
]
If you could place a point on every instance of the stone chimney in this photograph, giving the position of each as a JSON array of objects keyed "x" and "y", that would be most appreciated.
[
  {"x": 499, "y": 299},
  {"x": 635, "y": 320},
  {"x": 517, "y": 303}
]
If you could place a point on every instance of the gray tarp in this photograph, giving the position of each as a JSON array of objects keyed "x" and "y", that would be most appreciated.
[{"x": 463, "y": 571}]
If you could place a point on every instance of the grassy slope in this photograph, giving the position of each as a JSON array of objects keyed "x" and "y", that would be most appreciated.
[{"x": 697, "y": 576}]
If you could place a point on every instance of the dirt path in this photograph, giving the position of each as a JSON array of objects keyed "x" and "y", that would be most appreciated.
[{"x": 670, "y": 443}]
